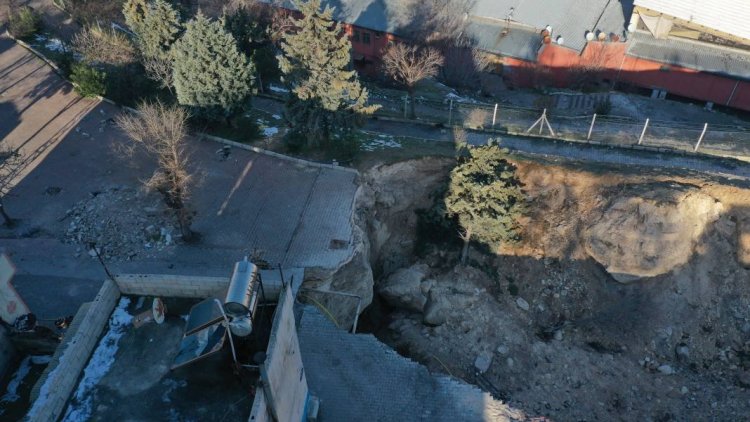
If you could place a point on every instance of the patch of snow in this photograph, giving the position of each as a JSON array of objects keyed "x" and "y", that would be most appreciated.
[
  {"x": 382, "y": 141},
  {"x": 52, "y": 44},
  {"x": 11, "y": 394},
  {"x": 270, "y": 131},
  {"x": 275, "y": 88},
  {"x": 99, "y": 364},
  {"x": 276, "y": 116},
  {"x": 459, "y": 99}
]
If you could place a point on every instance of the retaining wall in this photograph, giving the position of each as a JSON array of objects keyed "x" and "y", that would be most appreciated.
[{"x": 59, "y": 384}]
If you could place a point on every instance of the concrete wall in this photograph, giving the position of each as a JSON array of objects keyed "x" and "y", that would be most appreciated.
[
  {"x": 283, "y": 376},
  {"x": 171, "y": 285},
  {"x": 59, "y": 384}
]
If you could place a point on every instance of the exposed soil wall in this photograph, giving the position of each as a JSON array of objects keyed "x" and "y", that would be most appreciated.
[{"x": 627, "y": 296}]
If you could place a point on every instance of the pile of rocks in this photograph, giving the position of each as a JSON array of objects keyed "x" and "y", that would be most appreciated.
[{"x": 118, "y": 224}]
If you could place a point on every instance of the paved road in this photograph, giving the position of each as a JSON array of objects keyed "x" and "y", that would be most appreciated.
[
  {"x": 297, "y": 215},
  {"x": 577, "y": 152}
]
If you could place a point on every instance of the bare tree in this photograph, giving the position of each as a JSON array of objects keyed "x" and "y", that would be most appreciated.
[
  {"x": 408, "y": 65},
  {"x": 160, "y": 131},
  {"x": 159, "y": 70}
]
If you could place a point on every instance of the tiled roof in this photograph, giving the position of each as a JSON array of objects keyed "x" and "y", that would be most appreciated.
[
  {"x": 512, "y": 40},
  {"x": 691, "y": 54},
  {"x": 568, "y": 18}
]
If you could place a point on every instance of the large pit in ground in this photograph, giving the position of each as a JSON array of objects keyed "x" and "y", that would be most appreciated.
[{"x": 627, "y": 295}]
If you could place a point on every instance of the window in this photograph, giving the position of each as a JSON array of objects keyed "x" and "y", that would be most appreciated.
[
  {"x": 355, "y": 38},
  {"x": 366, "y": 37}
]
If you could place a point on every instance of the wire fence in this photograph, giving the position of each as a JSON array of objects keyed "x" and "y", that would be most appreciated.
[{"x": 714, "y": 139}]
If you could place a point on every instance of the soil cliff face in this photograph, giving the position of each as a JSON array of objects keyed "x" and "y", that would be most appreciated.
[{"x": 629, "y": 294}]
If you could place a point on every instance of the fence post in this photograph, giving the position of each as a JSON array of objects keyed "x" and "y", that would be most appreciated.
[
  {"x": 406, "y": 105},
  {"x": 640, "y": 140},
  {"x": 450, "y": 114},
  {"x": 591, "y": 128},
  {"x": 494, "y": 116},
  {"x": 705, "y": 126}
]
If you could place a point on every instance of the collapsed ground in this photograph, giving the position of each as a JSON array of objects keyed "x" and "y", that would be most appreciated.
[{"x": 627, "y": 295}]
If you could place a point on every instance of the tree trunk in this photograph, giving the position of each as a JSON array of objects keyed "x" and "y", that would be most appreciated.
[
  {"x": 412, "y": 105},
  {"x": 184, "y": 221},
  {"x": 465, "y": 251}
]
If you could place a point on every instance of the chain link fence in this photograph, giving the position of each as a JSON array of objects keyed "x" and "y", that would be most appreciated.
[{"x": 721, "y": 140}]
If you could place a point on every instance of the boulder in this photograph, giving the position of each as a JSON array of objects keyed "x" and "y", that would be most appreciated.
[
  {"x": 403, "y": 288},
  {"x": 437, "y": 308},
  {"x": 482, "y": 362},
  {"x": 650, "y": 229}
]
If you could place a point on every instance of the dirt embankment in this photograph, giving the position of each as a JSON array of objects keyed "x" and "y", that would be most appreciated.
[{"x": 628, "y": 298}]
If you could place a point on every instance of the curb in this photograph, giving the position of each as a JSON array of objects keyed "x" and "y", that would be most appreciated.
[{"x": 275, "y": 154}]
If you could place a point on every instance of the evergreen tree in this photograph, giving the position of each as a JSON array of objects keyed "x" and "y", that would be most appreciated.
[
  {"x": 210, "y": 74},
  {"x": 158, "y": 30},
  {"x": 134, "y": 11},
  {"x": 327, "y": 98},
  {"x": 486, "y": 196}
]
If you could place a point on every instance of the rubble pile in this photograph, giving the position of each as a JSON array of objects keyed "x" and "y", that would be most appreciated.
[{"x": 119, "y": 226}]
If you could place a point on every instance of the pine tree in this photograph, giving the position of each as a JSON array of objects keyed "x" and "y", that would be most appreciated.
[
  {"x": 158, "y": 30},
  {"x": 210, "y": 74},
  {"x": 327, "y": 98},
  {"x": 134, "y": 11},
  {"x": 486, "y": 196}
]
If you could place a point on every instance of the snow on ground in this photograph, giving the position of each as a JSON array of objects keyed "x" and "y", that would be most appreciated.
[
  {"x": 268, "y": 131},
  {"x": 459, "y": 99},
  {"x": 382, "y": 141},
  {"x": 52, "y": 44},
  {"x": 99, "y": 364},
  {"x": 276, "y": 116},
  {"x": 279, "y": 89},
  {"x": 12, "y": 390}
]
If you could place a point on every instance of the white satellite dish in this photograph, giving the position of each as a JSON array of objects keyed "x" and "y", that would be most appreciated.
[
  {"x": 549, "y": 29},
  {"x": 589, "y": 36},
  {"x": 158, "y": 310},
  {"x": 560, "y": 40},
  {"x": 632, "y": 26}
]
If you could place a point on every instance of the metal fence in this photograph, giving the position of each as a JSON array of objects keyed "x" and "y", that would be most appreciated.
[{"x": 722, "y": 140}]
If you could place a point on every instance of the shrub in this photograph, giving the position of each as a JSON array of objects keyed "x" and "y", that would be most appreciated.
[
  {"x": 89, "y": 81},
  {"x": 24, "y": 22},
  {"x": 105, "y": 46}
]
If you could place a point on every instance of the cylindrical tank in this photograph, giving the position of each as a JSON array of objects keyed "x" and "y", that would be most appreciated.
[{"x": 242, "y": 297}]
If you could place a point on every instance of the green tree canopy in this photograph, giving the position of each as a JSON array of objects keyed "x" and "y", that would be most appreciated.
[
  {"x": 486, "y": 196},
  {"x": 159, "y": 29},
  {"x": 210, "y": 74},
  {"x": 134, "y": 12},
  {"x": 327, "y": 97}
]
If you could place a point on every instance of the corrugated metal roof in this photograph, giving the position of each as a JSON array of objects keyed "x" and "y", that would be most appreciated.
[
  {"x": 568, "y": 18},
  {"x": 691, "y": 54},
  {"x": 729, "y": 16},
  {"x": 519, "y": 42}
]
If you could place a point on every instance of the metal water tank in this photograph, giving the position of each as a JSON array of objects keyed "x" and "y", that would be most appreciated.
[{"x": 242, "y": 296}]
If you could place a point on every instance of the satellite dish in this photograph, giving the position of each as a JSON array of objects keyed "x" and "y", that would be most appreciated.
[
  {"x": 560, "y": 40},
  {"x": 602, "y": 36},
  {"x": 589, "y": 36},
  {"x": 549, "y": 29},
  {"x": 632, "y": 26},
  {"x": 159, "y": 310}
]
